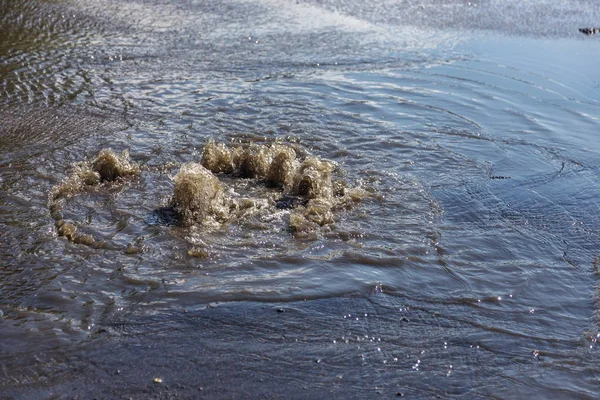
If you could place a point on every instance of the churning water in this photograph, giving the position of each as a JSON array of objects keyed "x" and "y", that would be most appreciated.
[{"x": 299, "y": 199}]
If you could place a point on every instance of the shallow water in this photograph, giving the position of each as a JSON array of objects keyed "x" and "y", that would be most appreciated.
[{"x": 469, "y": 271}]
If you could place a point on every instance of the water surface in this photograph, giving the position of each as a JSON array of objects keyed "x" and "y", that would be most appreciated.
[{"x": 471, "y": 272}]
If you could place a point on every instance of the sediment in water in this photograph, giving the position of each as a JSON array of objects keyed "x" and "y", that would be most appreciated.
[
  {"x": 282, "y": 168},
  {"x": 106, "y": 167},
  {"x": 199, "y": 196},
  {"x": 217, "y": 158},
  {"x": 253, "y": 161},
  {"x": 302, "y": 184},
  {"x": 111, "y": 166},
  {"x": 313, "y": 179}
]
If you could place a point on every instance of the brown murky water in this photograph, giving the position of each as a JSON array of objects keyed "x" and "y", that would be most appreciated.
[{"x": 328, "y": 199}]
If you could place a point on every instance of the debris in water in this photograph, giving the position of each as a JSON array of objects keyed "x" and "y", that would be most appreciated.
[
  {"x": 589, "y": 31},
  {"x": 289, "y": 202}
]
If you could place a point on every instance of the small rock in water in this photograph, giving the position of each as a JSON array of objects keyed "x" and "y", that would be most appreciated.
[
  {"x": 589, "y": 31},
  {"x": 289, "y": 202}
]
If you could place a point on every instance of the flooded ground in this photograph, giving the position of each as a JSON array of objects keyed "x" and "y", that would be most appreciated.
[{"x": 403, "y": 199}]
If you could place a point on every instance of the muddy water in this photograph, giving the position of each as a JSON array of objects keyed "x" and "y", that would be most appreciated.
[{"x": 450, "y": 153}]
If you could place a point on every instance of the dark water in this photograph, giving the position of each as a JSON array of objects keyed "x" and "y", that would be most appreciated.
[{"x": 471, "y": 272}]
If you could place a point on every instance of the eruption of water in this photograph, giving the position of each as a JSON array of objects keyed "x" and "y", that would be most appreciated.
[
  {"x": 199, "y": 196},
  {"x": 111, "y": 166},
  {"x": 107, "y": 167},
  {"x": 303, "y": 185}
]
